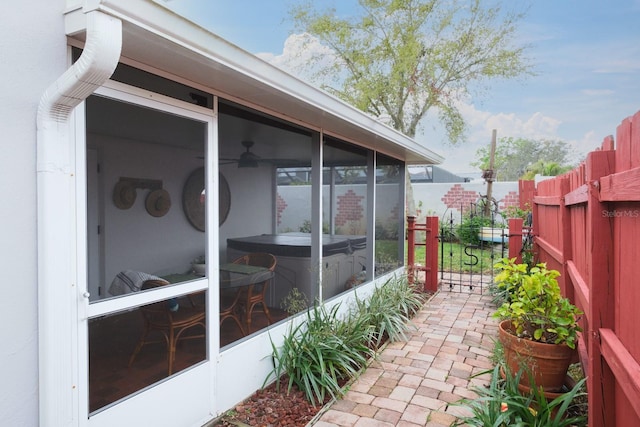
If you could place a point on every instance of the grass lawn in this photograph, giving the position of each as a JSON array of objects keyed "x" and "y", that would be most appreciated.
[
  {"x": 456, "y": 257},
  {"x": 468, "y": 260}
]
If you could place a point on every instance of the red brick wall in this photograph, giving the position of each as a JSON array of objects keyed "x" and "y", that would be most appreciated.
[
  {"x": 281, "y": 205},
  {"x": 511, "y": 199},
  {"x": 349, "y": 208},
  {"x": 459, "y": 198}
]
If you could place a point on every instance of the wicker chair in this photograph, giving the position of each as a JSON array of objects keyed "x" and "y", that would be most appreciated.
[
  {"x": 171, "y": 324},
  {"x": 230, "y": 308},
  {"x": 254, "y": 295}
]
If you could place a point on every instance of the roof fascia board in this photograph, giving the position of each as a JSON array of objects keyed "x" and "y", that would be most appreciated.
[{"x": 159, "y": 20}]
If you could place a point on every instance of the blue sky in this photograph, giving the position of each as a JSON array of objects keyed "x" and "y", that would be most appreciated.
[{"x": 586, "y": 55}]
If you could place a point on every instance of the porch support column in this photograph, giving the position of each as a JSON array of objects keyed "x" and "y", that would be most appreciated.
[
  {"x": 371, "y": 218},
  {"x": 317, "y": 269}
]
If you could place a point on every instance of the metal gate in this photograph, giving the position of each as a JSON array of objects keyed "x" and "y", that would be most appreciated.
[{"x": 471, "y": 242}]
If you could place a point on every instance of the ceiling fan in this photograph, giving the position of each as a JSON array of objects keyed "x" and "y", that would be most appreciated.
[{"x": 249, "y": 159}]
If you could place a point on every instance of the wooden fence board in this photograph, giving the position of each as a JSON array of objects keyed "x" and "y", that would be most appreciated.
[
  {"x": 601, "y": 308},
  {"x": 526, "y": 189},
  {"x": 607, "y": 144},
  {"x": 635, "y": 141},
  {"x": 578, "y": 215},
  {"x": 622, "y": 186},
  {"x": 577, "y": 196},
  {"x": 551, "y": 250},
  {"x": 626, "y": 269},
  {"x": 581, "y": 290},
  {"x": 547, "y": 200},
  {"x": 625, "y": 368},
  {"x": 564, "y": 187},
  {"x": 623, "y": 147}
]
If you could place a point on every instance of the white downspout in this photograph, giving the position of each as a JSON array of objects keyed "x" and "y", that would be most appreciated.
[{"x": 58, "y": 294}]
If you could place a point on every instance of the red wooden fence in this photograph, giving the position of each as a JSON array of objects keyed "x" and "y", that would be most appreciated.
[
  {"x": 526, "y": 190},
  {"x": 587, "y": 226},
  {"x": 515, "y": 238},
  {"x": 430, "y": 264}
]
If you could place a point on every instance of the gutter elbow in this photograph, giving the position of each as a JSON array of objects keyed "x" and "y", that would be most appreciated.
[{"x": 96, "y": 64}]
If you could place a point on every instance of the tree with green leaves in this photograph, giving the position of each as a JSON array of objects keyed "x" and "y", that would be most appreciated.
[
  {"x": 399, "y": 59},
  {"x": 522, "y": 158},
  {"x": 545, "y": 168}
]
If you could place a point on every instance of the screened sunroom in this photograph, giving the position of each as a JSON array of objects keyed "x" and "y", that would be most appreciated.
[{"x": 216, "y": 198}]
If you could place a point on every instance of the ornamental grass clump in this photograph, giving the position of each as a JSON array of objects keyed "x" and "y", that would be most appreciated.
[
  {"x": 501, "y": 404},
  {"x": 389, "y": 310},
  {"x": 323, "y": 353}
]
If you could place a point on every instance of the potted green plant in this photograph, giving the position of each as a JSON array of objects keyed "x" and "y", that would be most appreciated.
[
  {"x": 539, "y": 328},
  {"x": 199, "y": 266}
]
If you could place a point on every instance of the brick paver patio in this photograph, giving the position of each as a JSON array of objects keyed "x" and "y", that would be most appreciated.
[{"x": 414, "y": 382}]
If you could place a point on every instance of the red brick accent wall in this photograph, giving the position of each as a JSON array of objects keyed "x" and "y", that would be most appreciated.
[
  {"x": 281, "y": 205},
  {"x": 511, "y": 199},
  {"x": 459, "y": 198},
  {"x": 349, "y": 208}
]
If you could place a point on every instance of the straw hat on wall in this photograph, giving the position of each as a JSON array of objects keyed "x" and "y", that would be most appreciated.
[{"x": 158, "y": 203}]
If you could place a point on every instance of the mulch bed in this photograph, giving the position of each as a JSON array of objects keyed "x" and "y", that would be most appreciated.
[
  {"x": 274, "y": 407},
  {"x": 271, "y": 407}
]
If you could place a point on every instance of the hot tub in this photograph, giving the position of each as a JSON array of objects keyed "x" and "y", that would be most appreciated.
[{"x": 342, "y": 257}]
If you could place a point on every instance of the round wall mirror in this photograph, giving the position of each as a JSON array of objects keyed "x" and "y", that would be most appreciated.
[{"x": 193, "y": 197}]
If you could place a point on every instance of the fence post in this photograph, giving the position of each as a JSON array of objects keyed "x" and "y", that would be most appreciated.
[
  {"x": 411, "y": 247},
  {"x": 431, "y": 255},
  {"x": 601, "y": 382},
  {"x": 526, "y": 190},
  {"x": 515, "y": 238},
  {"x": 567, "y": 241}
]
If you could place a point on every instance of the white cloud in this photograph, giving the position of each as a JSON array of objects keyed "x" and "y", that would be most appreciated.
[
  {"x": 618, "y": 66},
  {"x": 298, "y": 51},
  {"x": 536, "y": 125},
  {"x": 481, "y": 123},
  {"x": 597, "y": 92}
]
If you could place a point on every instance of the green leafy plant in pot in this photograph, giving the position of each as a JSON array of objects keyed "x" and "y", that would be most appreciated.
[{"x": 539, "y": 328}]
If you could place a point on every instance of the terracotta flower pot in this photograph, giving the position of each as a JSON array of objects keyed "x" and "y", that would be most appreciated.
[{"x": 547, "y": 363}]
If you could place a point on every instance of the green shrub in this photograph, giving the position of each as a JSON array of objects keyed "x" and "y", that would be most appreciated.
[
  {"x": 294, "y": 302},
  {"x": 535, "y": 305},
  {"x": 470, "y": 227},
  {"x": 386, "y": 230},
  {"x": 516, "y": 212},
  {"x": 447, "y": 233},
  {"x": 306, "y": 227},
  {"x": 507, "y": 282}
]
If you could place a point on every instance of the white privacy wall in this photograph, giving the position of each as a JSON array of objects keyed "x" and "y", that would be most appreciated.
[
  {"x": 34, "y": 54},
  {"x": 444, "y": 199},
  {"x": 296, "y": 210},
  {"x": 440, "y": 199}
]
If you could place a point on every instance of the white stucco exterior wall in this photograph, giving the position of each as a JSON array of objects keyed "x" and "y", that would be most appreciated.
[{"x": 33, "y": 49}]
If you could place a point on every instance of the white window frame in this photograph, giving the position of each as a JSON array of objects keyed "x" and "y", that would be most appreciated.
[{"x": 192, "y": 390}]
